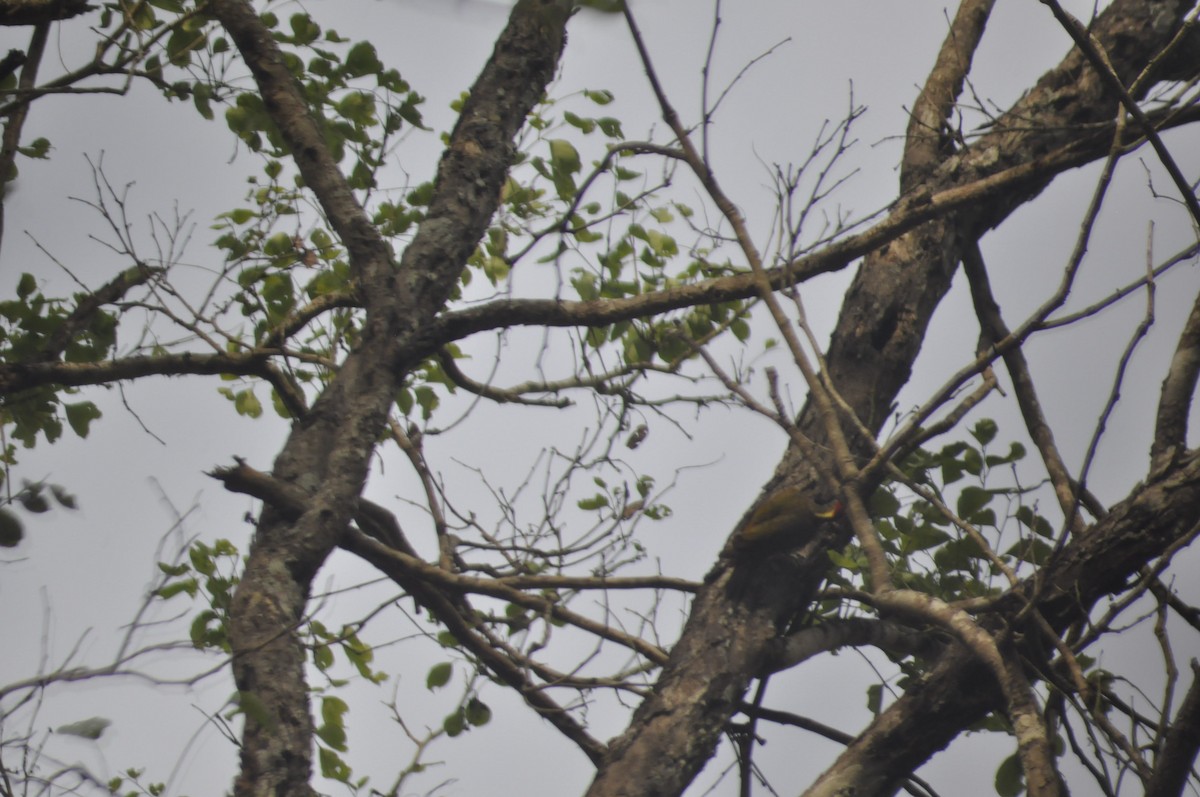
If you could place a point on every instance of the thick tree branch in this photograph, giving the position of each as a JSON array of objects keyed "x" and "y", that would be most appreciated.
[
  {"x": 956, "y": 693},
  {"x": 1178, "y": 391},
  {"x": 907, "y": 214},
  {"x": 36, "y": 12},
  {"x": 16, "y": 377},
  {"x": 369, "y": 256},
  {"x": 927, "y": 142},
  {"x": 14, "y": 125},
  {"x": 328, "y": 454},
  {"x": 1174, "y": 763},
  {"x": 90, "y": 304},
  {"x": 1100, "y": 62},
  {"x": 891, "y": 637}
]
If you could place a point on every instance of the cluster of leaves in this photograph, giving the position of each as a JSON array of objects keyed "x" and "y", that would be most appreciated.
[
  {"x": 130, "y": 785},
  {"x": 28, "y": 324},
  {"x": 32, "y": 497},
  {"x": 38, "y": 149},
  {"x": 633, "y": 232},
  {"x": 929, "y": 552},
  {"x": 356, "y": 118},
  {"x": 332, "y": 739},
  {"x": 211, "y": 571},
  {"x": 276, "y": 268},
  {"x": 471, "y": 712},
  {"x": 623, "y": 241},
  {"x": 361, "y": 106}
]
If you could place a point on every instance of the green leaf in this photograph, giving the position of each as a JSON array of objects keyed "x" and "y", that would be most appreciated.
[
  {"x": 427, "y": 399},
  {"x": 971, "y": 500},
  {"x": 33, "y": 500},
  {"x": 11, "y": 530},
  {"x": 586, "y": 125},
  {"x": 208, "y": 631},
  {"x": 1016, "y": 452},
  {"x": 278, "y": 244},
  {"x": 63, "y": 497},
  {"x": 362, "y": 60},
  {"x": 1034, "y": 550},
  {"x": 1010, "y": 780},
  {"x": 81, "y": 415},
  {"x": 332, "y": 765},
  {"x": 202, "y": 560},
  {"x": 477, "y": 712},
  {"x": 333, "y": 736},
  {"x": 239, "y": 215},
  {"x": 984, "y": 431},
  {"x": 304, "y": 30},
  {"x": 841, "y": 560},
  {"x": 883, "y": 504},
  {"x": 246, "y": 403},
  {"x": 91, "y": 728},
  {"x": 173, "y": 570},
  {"x": 1035, "y": 522},
  {"x": 611, "y": 127},
  {"x": 38, "y": 149},
  {"x": 439, "y": 675},
  {"x": 922, "y": 537},
  {"x": 361, "y": 655},
  {"x": 601, "y": 97},
  {"x": 454, "y": 724},
  {"x": 26, "y": 285},
  {"x": 875, "y": 698},
  {"x": 663, "y": 245},
  {"x": 333, "y": 728},
  {"x": 564, "y": 156},
  {"x": 168, "y": 591},
  {"x": 202, "y": 99},
  {"x": 597, "y": 501}
]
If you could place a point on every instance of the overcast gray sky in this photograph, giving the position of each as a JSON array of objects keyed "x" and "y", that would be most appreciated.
[{"x": 86, "y": 571}]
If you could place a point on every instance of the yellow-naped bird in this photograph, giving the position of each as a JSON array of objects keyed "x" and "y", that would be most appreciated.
[{"x": 789, "y": 518}]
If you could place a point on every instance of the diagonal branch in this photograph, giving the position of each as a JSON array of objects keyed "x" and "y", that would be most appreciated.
[
  {"x": 994, "y": 329},
  {"x": 396, "y": 558},
  {"x": 1099, "y": 60},
  {"x": 1174, "y": 763},
  {"x": 1175, "y": 400},
  {"x": 926, "y": 142},
  {"x": 370, "y": 258},
  {"x": 957, "y": 692}
]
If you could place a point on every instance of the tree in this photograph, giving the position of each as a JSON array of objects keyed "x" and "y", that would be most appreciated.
[{"x": 355, "y": 306}]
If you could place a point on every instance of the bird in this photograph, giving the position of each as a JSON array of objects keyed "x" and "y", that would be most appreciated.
[{"x": 787, "y": 519}]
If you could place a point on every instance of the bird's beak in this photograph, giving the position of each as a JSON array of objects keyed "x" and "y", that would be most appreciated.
[{"x": 832, "y": 511}]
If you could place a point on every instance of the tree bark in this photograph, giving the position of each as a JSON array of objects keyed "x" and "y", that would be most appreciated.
[{"x": 328, "y": 452}]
